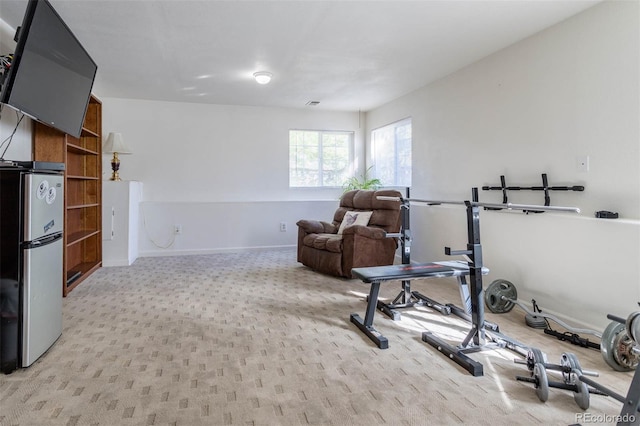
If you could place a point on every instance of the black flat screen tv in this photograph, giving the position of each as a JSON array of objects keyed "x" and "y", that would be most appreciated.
[{"x": 51, "y": 75}]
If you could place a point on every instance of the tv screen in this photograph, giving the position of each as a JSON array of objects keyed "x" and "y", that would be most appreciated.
[{"x": 51, "y": 75}]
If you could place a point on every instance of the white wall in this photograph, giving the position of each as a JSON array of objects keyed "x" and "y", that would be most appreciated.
[
  {"x": 20, "y": 146},
  {"x": 533, "y": 108},
  {"x": 219, "y": 171}
]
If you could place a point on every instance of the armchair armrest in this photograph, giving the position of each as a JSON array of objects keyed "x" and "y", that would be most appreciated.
[
  {"x": 317, "y": 227},
  {"x": 371, "y": 232}
]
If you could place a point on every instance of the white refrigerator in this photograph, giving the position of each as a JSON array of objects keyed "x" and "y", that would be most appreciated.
[{"x": 31, "y": 271}]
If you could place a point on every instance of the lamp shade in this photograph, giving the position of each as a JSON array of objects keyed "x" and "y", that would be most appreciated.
[{"x": 115, "y": 143}]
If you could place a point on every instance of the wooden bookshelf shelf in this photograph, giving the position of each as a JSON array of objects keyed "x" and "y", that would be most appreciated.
[
  {"x": 82, "y": 206},
  {"x": 77, "y": 237},
  {"x": 83, "y": 177},
  {"x": 80, "y": 150},
  {"x": 89, "y": 132}
]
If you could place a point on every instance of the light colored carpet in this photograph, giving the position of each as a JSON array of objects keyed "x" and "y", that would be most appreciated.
[{"x": 258, "y": 339}]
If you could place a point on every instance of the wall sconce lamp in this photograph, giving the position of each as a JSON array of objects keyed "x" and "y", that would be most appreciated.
[{"x": 115, "y": 145}]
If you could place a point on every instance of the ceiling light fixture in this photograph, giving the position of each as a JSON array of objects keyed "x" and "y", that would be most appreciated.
[{"x": 262, "y": 77}]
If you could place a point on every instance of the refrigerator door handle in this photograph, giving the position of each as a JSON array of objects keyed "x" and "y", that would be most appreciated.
[{"x": 42, "y": 241}]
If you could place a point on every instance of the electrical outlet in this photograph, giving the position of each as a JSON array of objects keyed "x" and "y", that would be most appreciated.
[
  {"x": 283, "y": 227},
  {"x": 177, "y": 229}
]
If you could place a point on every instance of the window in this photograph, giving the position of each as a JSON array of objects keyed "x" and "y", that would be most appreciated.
[
  {"x": 391, "y": 148},
  {"x": 319, "y": 158}
]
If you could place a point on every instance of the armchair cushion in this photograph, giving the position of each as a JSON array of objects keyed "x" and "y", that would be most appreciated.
[
  {"x": 328, "y": 242},
  {"x": 323, "y": 248}
]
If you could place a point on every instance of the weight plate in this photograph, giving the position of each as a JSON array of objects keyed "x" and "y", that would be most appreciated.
[
  {"x": 542, "y": 381},
  {"x": 535, "y": 356},
  {"x": 535, "y": 321},
  {"x": 570, "y": 368},
  {"x": 633, "y": 326},
  {"x": 616, "y": 347},
  {"x": 493, "y": 296},
  {"x": 581, "y": 396}
]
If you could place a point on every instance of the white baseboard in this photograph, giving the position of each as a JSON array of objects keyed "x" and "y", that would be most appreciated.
[
  {"x": 162, "y": 253},
  {"x": 115, "y": 262}
]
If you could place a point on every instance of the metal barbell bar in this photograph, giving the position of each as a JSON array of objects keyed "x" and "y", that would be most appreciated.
[{"x": 507, "y": 206}]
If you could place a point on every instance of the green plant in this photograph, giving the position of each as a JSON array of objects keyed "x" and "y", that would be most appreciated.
[{"x": 363, "y": 182}]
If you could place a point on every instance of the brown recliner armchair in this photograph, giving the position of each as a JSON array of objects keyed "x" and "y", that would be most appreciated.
[{"x": 322, "y": 248}]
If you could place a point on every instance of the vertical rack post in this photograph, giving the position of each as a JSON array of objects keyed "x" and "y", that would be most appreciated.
[
  {"x": 475, "y": 268},
  {"x": 406, "y": 246}
]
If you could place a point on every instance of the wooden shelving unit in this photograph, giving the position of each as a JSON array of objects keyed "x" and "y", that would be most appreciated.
[{"x": 83, "y": 191}]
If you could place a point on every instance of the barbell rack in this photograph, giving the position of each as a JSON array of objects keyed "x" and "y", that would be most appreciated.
[{"x": 475, "y": 339}]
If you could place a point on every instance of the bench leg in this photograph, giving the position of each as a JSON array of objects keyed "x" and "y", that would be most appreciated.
[
  {"x": 456, "y": 354},
  {"x": 366, "y": 326}
]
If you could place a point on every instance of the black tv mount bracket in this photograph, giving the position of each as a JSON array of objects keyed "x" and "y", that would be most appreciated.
[
  {"x": 545, "y": 187},
  {"x": 5, "y": 64}
]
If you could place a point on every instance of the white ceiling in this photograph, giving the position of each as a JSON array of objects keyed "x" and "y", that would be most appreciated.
[{"x": 348, "y": 55}]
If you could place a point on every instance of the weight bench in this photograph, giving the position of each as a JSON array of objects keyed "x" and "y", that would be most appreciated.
[{"x": 379, "y": 274}]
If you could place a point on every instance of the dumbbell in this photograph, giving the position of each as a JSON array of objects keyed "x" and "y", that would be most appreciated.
[{"x": 571, "y": 370}]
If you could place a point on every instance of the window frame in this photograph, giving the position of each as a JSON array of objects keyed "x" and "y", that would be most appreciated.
[
  {"x": 393, "y": 126},
  {"x": 320, "y": 170}
]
